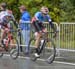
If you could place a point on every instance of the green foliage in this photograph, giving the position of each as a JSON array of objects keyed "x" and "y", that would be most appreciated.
[
  {"x": 68, "y": 11},
  {"x": 60, "y": 10}
]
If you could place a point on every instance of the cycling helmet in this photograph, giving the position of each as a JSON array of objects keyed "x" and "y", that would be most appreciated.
[
  {"x": 7, "y": 14},
  {"x": 7, "y": 17},
  {"x": 44, "y": 10}
]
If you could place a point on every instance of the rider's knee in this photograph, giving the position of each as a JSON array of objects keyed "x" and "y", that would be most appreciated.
[{"x": 38, "y": 36}]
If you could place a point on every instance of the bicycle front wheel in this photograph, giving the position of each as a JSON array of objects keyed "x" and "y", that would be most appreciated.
[{"x": 49, "y": 51}]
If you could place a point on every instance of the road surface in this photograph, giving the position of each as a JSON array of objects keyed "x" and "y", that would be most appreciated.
[{"x": 24, "y": 63}]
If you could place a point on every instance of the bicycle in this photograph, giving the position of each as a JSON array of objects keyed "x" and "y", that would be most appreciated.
[
  {"x": 9, "y": 44},
  {"x": 47, "y": 49}
]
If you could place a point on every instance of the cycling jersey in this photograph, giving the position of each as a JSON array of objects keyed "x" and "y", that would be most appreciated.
[
  {"x": 3, "y": 20},
  {"x": 43, "y": 18},
  {"x": 38, "y": 21},
  {"x": 3, "y": 15}
]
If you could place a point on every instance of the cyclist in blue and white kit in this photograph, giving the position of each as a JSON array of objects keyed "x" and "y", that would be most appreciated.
[{"x": 37, "y": 24}]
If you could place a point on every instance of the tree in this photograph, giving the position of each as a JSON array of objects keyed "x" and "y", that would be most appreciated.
[{"x": 59, "y": 9}]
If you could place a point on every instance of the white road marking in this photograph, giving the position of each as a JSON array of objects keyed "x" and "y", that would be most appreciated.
[{"x": 67, "y": 63}]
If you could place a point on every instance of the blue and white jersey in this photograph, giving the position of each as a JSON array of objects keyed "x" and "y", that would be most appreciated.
[
  {"x": 3, "y": 15},
  {"x": 43, "y": 18}
]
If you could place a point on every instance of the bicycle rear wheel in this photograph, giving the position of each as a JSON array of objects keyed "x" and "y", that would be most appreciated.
[
  {"x": 32, "y": 49},
  {"x": 49, "y": 51},
  {"x": 14, "y": 48},
  {"x": 1, "y": 53}
]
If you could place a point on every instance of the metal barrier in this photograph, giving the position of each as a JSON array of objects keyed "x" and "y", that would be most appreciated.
[
  {"x": 46, "y": 25},
  {"x": 49, "y": 35},
  {"x": 67, "y": 36},
  {"x": 66, "y": 42}
]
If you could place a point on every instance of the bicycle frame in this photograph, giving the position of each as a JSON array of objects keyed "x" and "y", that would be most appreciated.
[
  {"x": 42, "y": 45},
  {"x": 43, "y": 42},
  {"x": 7, "y": 39}
]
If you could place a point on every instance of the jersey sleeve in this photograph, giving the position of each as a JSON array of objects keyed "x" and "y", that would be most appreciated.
[{"x": 37, "y": 15}]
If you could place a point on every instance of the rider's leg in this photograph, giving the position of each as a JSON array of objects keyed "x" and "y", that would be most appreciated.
[
  {"x": 12, "y": 40},
  {"x": 38, "y": 37},
  {"x": 2, "y": 35},
  {"x": 46, "y": 32},
  {"x": 37, "y": 28},
  {"x": 12, "y": 43},
  {"x": 1, "y": 42},
  {"x": 1, "y": 39}
]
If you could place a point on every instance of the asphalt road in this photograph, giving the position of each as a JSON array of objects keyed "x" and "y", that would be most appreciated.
[{"x": 22, "y": 63}]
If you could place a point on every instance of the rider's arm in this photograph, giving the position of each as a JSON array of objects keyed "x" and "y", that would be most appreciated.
[
  {"x": 16, "y": 24},
  {"x": 38, "y": 16},
  {"x": 51, "y": 24},
  {"x": 14, "y": 21}
]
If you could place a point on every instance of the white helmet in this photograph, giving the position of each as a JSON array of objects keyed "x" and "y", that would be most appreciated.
[{"x": 7, "y": 14}]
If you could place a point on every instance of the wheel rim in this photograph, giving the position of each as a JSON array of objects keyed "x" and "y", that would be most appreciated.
[
  {"x": 32, "y": 49},
  {"x": 49, "y": 51},
  {"x": 14, "y": 53}
]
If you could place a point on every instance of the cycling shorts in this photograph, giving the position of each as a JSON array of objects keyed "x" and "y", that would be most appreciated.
[{"x": 4, "y": 26}]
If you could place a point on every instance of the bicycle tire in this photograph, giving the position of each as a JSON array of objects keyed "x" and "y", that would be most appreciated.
[
  {"x": 32, "y": 49},
  {"x": 1, "y": 54},
  {"x": 49, "y": 51},
  {"x": 14, "y": 52}
]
